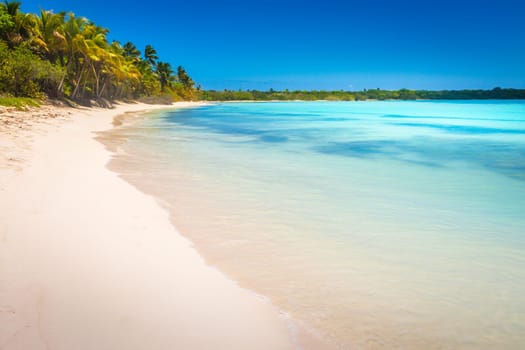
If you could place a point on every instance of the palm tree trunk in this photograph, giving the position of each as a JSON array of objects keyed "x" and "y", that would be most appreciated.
[
  {"x": 97, "y": 79},
  {"x": 61, "y": 84},
  {"x": 77, "y": 85},
  {"x": 102, "y": 89}
]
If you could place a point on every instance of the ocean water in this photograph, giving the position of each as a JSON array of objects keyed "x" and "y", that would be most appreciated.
[{"x": 374, "y": 225}]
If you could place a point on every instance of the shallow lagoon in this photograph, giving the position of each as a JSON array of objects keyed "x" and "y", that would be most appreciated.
[{"x": 374, "y": 224}]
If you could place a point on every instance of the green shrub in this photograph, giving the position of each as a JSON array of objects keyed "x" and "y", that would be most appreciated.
[{"x": 23, "y": 74}]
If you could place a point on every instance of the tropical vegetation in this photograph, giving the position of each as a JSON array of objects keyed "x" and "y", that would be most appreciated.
[
  {"x": 375, "y": 94},
  {"x": 64, "y": 56}
]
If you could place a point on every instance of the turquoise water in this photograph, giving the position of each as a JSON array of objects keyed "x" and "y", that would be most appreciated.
[{"x": 375, "y": 225}]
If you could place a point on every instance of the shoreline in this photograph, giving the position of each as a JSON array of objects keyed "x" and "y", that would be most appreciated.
[
  {"x": 304, "y": 336},
  {"x": 89, "y": 261}
]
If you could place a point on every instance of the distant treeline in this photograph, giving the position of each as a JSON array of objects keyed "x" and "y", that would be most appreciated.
[
  {"x": 376, "y": 94},
  {"x": 61, "y": 55}
]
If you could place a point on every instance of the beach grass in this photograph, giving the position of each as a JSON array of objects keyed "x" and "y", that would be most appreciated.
[{"x": 20, "y": 103}]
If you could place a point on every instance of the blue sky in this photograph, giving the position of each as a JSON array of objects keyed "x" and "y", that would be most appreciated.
[{"x": 350, "y": 45}]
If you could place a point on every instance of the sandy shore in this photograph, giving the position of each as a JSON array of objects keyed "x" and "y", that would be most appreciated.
[{"x": 89, "y": 262}]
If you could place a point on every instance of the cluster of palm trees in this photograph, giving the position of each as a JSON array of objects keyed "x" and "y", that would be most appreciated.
[{"x": 89, "y": 66}]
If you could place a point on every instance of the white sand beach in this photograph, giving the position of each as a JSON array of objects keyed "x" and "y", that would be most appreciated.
[{"x": 87, "y": 261}]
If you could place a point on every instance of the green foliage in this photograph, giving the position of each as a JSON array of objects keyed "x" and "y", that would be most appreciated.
[
  {"x": 24, "y": 74},
  {"x": 6, "y": 22},
  {"x": 377, "y": 94},
  {"x": 63, "y": 55}
]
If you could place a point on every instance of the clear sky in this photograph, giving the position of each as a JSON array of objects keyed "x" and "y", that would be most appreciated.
[{"x": 323, "y": 44}]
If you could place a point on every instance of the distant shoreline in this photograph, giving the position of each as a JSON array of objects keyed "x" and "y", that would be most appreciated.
[
  {"x": 365, "y": 95},
  {"x": 369, "y": 100}
]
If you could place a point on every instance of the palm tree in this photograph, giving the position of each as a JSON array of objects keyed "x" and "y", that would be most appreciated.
[
  {"x": 122, "y": 76},
  {"x": 97, "y": 56},
  {"x": 131, "y": 51},
  {"x": 12, "y": 7},
  {"x": 184, "y": 78},
  {"x": 150, "y": 55},
  {"x": 50, "y": 37},
  {"x": 165, "y": 74},
  {"x": 77, "y": 51},
  {"x": 16, "y": 29},
  {"x": 76, "y": 47},
  {"x": 130, "y": 68}
]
